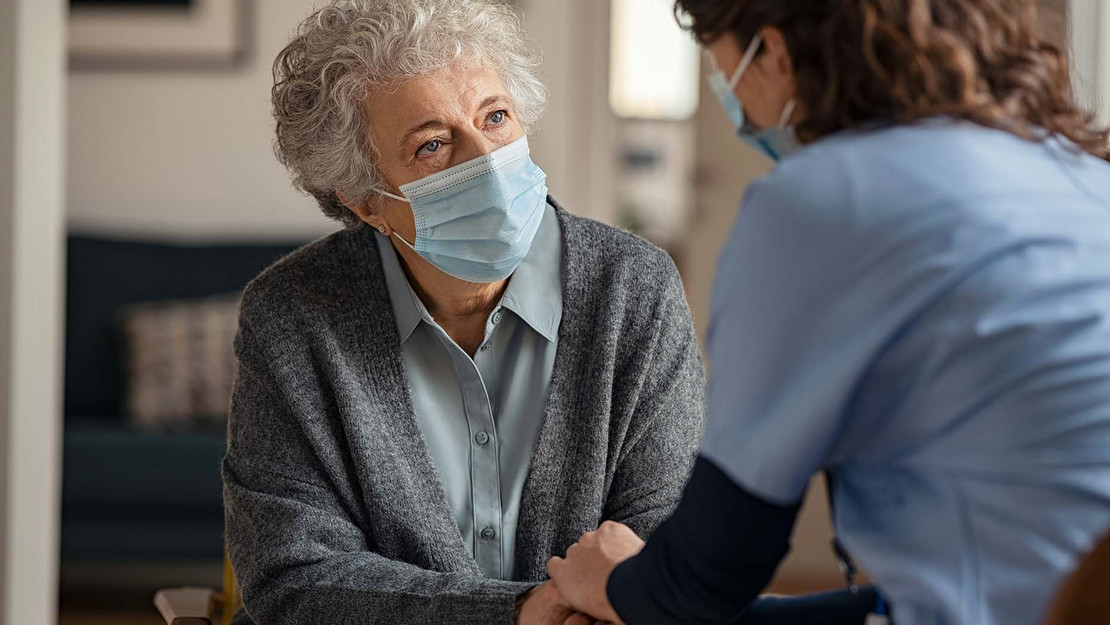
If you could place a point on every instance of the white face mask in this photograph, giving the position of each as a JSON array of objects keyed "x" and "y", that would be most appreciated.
[{"x": 777, "y": 142}]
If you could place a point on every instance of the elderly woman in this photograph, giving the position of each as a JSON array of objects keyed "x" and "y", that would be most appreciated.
[{"x": 438, "y": 398}]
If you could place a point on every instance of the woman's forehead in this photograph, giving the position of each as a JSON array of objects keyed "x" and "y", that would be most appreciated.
[{"x": 451, "y": 95}]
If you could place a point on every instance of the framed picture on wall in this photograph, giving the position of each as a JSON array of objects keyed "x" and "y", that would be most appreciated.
[{"x": 144, "y": 33}]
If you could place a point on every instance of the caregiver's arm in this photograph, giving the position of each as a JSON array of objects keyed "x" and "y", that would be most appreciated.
[
  {"x": 709, "y": 561},
  {"x": 704, "y": 565},
  {"x": 299, "y": 552}
]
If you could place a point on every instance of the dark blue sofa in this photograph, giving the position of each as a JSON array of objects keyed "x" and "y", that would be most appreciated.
[{"x": 129, "y": 494}]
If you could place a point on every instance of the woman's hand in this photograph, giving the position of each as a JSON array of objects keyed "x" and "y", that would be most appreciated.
[
  {"x": 543, "y": 605},
  {"x": 581, "y": 577}
]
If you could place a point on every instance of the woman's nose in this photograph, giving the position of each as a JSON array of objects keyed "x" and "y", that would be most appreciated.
[{"x": 472, "y": 143}]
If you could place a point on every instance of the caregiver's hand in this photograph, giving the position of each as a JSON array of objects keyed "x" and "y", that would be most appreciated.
[{"x": 581, "y": 577}]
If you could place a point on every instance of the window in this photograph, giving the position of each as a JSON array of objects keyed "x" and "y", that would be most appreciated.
[{"x": 654, "y": 63}]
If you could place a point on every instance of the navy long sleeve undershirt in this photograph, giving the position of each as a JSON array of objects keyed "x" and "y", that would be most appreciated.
[{"x": 709, "y": 562}]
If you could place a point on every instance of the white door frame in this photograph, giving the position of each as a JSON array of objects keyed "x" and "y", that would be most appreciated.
[
  {"x": 32, "y": 231},
  {"x": 1090, "y": 43}
]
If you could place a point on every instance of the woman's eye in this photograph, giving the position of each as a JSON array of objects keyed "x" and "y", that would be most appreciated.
[
  {"x": 498, "y": 117},
  {"x": 430, "y": 147}
]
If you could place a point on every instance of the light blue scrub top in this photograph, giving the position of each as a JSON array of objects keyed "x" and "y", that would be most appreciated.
[
  {"x": 926, "y": 311},
  {"x": 480, "y": 417}
]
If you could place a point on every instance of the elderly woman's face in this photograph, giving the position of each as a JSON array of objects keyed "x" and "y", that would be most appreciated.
[{"x": 435, "y": 122}]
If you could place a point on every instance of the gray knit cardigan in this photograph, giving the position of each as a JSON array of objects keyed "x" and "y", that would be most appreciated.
[{"x": 335, "y": 513}]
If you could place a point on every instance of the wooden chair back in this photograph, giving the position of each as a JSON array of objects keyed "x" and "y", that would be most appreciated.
[{"x": 230, "y": 599}]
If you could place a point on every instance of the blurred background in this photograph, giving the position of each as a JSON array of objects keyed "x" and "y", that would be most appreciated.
[{"x": 148, "y": 194}]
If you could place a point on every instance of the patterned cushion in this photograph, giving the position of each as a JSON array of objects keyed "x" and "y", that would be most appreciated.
[{"x": 179, "y": 359}]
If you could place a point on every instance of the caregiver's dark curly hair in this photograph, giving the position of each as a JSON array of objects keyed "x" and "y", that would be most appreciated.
[{"x": 862, "y": 61}]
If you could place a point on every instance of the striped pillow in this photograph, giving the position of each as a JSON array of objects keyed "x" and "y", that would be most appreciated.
[{"x": 179, "y": 361}]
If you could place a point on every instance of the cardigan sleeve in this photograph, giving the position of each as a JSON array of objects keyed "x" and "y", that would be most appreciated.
[
  {"x": 300, "y": 556},
  {"x": 662, "y": 440}
]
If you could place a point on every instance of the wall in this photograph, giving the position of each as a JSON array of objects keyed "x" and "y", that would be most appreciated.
[
  {"x": 187, "y": 154},
  {"x": 576, "y": 142},
  {"x": 7, "y": 173},
  {"x": 31, "y": 224}
]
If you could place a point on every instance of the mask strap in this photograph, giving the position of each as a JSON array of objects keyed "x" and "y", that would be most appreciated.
[
  {"x": 788, "y": 112},
  {"x": 410, "y": 245},
  {"x": 390, "y": 195},
  {"x": 746, "y": 62},
  {"x": 399, "y": 199}
]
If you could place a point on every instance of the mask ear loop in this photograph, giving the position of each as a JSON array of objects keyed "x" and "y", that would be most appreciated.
[
  {"x": 395, "y": 197},
  {"x": 788, "y": 112},
  {"x": 399, "y": 199},
  {"x": 746, "y": 62},
  {"x": 410, "y": 245}
]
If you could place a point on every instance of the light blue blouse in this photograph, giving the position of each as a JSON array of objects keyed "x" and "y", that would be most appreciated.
[
  {"x": 926, "y": 311},
  {"x": 480, "y": 417}
]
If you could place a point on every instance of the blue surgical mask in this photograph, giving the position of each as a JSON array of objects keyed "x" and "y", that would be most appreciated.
[
  {"x": 476, "y": 221},
  {"x": 777, "y": 142}
]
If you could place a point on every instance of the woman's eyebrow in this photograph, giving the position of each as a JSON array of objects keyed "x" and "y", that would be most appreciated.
[
  {"x": 494, "y": 100},
  {"x": 420, "y": 127}
]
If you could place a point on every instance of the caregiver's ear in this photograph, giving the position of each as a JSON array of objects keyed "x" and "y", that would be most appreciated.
[{"x": 775, "y": 58}]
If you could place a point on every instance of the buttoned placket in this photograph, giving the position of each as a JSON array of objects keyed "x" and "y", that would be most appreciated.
[{"x": 485, "y": 473}]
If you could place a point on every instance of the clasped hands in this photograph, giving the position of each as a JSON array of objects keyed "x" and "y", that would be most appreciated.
[{"x": 575, "y": 594}]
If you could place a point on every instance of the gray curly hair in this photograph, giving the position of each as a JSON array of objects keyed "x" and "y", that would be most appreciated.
[{"x": 344, "y": 51}]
